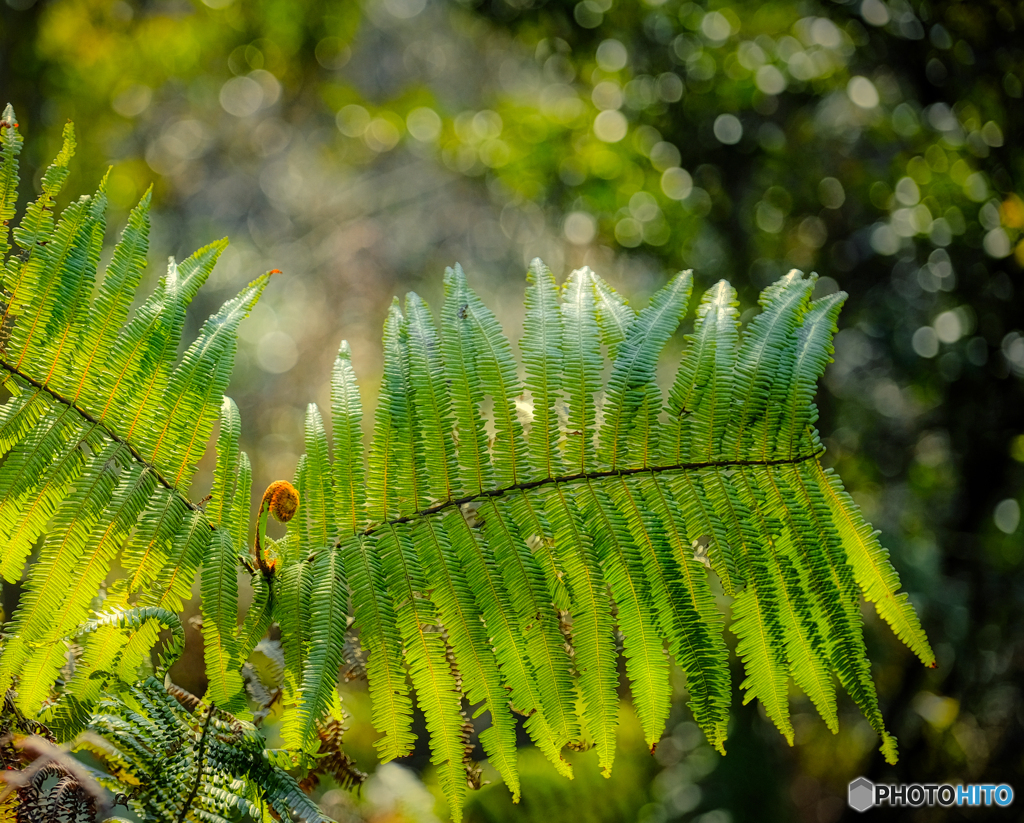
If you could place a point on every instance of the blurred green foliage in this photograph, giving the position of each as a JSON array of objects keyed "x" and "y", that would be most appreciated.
[{"x": 360, "y": 147}]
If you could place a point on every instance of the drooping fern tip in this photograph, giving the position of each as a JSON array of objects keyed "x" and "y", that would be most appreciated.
[{"x": 512, "y": 525}]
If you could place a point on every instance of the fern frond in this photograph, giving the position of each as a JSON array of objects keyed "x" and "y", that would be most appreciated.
[
  {"x": 486, "y": 558},
  {"x": 257, "y": 622},
  {"x": 427, "y": 659},
  {"x": 456, "y": 605},
  {"x": 614, "y": 314},
  {"x": 312, "y": 610},
  {"x": 181, "y": 560},
  {"x": 22, "y": 273},
  {"x": 633, "y": 401},
  {"x": 874, "y": 573},
  {"x": 195, "y": 388},
  {"x": 374, "y": 611},
  {"x": 110, "y": 309},
  {"x": 643, "y": 647},
  {"x": 240, "y": 506},
  {"x": 122, "y": 508},
  {"x": 416, "y": 617},
  {"x": 138, "y": 617},
  {"x": 318, "y": 484},
  {"x": 500, "y": 545},
  {"x": 101, "y": 433},
  {"x": 292, "y": 593},
  {"x": 542, "y": 358},
  {"x": 574, "y": 549},
  {"x": 142, "y": 354},
  {"x": 515, "y": 599},
  {"x": 225, "y": 477},
  {"x": 194, "y": 761}
]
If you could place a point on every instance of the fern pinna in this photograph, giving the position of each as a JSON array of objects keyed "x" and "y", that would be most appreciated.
[{"x": 492, "y": 561}]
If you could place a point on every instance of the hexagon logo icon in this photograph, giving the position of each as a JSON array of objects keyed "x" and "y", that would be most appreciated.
[{"x": 861, "y": 794}]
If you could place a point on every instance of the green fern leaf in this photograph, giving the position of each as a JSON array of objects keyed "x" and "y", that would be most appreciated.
[
  {"x": 614, "y": 315},
  {"x": 700, "y": 650},
  {"x": 429, "y": 669},
  {"x": 456, "y": 605},
  {"x": 143, "y": 352},
  {"x": 182, "y": 557},
  {"x": 135, "y": 619},
  {"x": 108, "y": 313},
  {"x": 374, "y": 613},
  {"x": 83, "y": 462},
  {"x": 328, "y": 619},
  {"x": 631, "y": 388},
  {"x": 241, "y": 503},
  {"x": 225, "y": 477},
  {"x": 574, "y": 548},
  {"x": 542, "y": 356},
  {"x": 317, "y": 507},
  {"x": 468, "y": 530},
  {"x": 293, "y": 589},
  {"x": 477, "y": 663},
  {"x": 349, "y": 473},
  {"x": 195, "y": 388},
  {"x": 33, "y": 479},
  {"x": 220, "y": 616},
  {"x": 515, "y": 595},
  {"x": 20, "y": 275},
  {"x": 874, "y": 573},
  {"x": 298, "y": 542},
  {"x": 10, "y": 148},
  {"x": 416, "y": 617},
  {"x": 646, "y": 663},
  {"x": 258, "y": 619},
  {"x": 97, "y": 544},
  {"x": 59, "y": 300}
]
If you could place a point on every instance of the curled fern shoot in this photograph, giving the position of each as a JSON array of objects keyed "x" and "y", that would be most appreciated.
[{"x": 280, "y": 500}]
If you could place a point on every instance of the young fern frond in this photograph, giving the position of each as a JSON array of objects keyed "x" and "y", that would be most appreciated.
[{"x": 491, "y": 560}]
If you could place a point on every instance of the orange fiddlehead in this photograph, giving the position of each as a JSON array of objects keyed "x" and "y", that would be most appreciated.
[{"x": 282, "y": 501}]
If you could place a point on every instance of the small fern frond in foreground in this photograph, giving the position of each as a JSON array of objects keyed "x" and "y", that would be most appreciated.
[
  {"x": 166, "y": 756},
  {"x": 474, "y": 542}
]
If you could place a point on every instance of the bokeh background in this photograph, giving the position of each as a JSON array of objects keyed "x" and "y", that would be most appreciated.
[{"x": 361, "y": 147}]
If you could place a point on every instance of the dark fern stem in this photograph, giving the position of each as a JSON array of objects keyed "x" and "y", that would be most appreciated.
[
  {"x": 199, "y": 765},
  {"x": 583, "y": 477}
]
